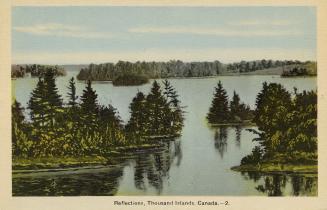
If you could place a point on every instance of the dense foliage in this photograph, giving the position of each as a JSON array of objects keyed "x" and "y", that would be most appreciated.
[
  {"x": 85, "y": 128},
  {"x": 221, "y": 111},
  {"x": 175, "y": 68},
  {"x": 35, "y": 70},
  {"x": 287, "y": 125}
]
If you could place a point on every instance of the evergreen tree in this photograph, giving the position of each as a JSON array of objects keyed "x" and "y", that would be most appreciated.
[
  {"x": 175, "y": 106},
  {"x": 72, "y": 93},
  {"x": 89, "y": 109},
  {"x": 238, "y": 110},
  {"x": 158, "y": 109},
  {"x": 89, "y": 103},
  {"x": 52, "y": 97},
  {"x": 37, "y": 104},
  {"x": 273, "y": 106},
  {"x": 138, "y": 121},
  {"x": 219, "y": 112},
  {"x": 17, "y": 114}
]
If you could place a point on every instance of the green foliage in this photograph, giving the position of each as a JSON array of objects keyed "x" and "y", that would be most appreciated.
[
  {"x": 157, "y": 114},
  {"x": 287, "y": 125},
  {"x": 86, "y": 129},
  {"x": 72, "y": 93},
  {"x": 219, "y": 111}
]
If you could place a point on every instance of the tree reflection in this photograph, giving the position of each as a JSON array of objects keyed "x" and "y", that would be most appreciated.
[
  {"x": 221, "y": 140},
  {"x": 238, "y": 131},
  {"x": 275, "y": 184},
  {"x": 93, "y": 182},
  {"x": 153, "y": 167}
]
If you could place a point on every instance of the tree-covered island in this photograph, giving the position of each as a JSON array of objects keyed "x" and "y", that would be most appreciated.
[
  {"x": 286, "y": 127},
  {"x": 223, "y": 112},
  {"x": 81, "y": 132},
  {"x": 125, "y": 70},
  {"x": 287, "y": 132},
  {"x": 35, "y": 70}
]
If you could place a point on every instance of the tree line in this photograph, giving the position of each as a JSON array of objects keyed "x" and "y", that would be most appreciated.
[
  {"x": 83, "y": 127},
  {"x": 174, "y": 68},
  {"x": 35, "y": 70}
]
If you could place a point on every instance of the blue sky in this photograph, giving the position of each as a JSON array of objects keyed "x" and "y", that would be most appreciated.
[{"x": 75, "y": 35}]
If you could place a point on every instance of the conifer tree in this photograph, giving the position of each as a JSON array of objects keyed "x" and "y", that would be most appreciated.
[
  {"x": 137, "y": 123},
  {"x": 175, "y": 106},
  {"x": 89, "y": 99},
  {"x": 89, "y": 107},
  {"x": 72, "y": 93},
  {"x": 37, "y": 104},
  {"x": 158, "y": 109},
  {"x": 52, "y": 97},
  {"x": 219, "y": 112}
]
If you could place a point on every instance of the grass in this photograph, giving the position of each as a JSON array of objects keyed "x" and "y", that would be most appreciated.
[
  {"x": 56, "y": 162},
  {"x": 277, "y": 168}
]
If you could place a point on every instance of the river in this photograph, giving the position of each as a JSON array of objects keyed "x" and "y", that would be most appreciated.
[{"x": 197, "y": 163}]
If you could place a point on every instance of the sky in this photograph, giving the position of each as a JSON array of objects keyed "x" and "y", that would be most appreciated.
[{"x": 89, "y": 34}]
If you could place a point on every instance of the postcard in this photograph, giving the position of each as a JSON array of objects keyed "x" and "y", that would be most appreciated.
[{"x": 163, "y": 105}]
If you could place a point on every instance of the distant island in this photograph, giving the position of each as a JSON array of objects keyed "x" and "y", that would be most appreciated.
[
  {"x": 35, "y": 70},
  {"x": 180, "y": 69},
  {"x": 307, "y": 69}
]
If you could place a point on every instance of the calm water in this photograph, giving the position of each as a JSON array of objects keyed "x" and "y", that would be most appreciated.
[{"x": 198, "y": 163}]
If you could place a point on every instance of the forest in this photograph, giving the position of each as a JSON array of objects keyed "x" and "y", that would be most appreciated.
[
  {"x": 82, "y": 127},
  {"x": 35, "y": 70},
  {"x": 176, "y": 68}
]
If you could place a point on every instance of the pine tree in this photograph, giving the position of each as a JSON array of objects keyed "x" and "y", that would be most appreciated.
[
  {"x": 52, "y": 97},
  {"x": 89, "y": 107},
  {"x": 175, "y": 106},
  {"x": 72, "y": 93},
  {"x": 89, "y": 99},
  {"x": 37, "y": 104},
  {"x": 137, "y": 123},
  {"x": 17, "y": 113},
  {"x": 219, "y": 112},
  {"x": 158, "y": 109}
]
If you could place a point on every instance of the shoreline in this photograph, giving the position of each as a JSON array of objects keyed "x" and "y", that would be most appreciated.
[
  {"x": 278, "y": 168},
  {"x": 47, "y": 164}
]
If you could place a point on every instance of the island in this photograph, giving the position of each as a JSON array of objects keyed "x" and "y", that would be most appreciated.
[
  {"x": 306, "y": 69},
  {"x": 35, "y": 70},
  {"x": 223, "y": 113},
  {"x": 287, "y": 132},
  {"x": 82, "y": 133},
  {"x": 180, "y": 69}
]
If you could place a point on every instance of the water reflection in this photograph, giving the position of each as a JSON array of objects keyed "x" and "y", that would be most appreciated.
[
  {"x": 238, "y": 131},
  {"x": 154, "y": 167},
  {"x": 282, "y": 184},
  {"x": 221, "y": 140},
  {"x": 151, "y": 168},
  {"x": 90, "y": 182},
  {"x": 222, "y": 134}
]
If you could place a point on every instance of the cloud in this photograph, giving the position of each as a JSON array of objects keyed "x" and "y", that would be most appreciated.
[
  {"x": 61, "y": 30},
  {"x": 221, "y": 54},
  {"x": 262, "y": 23},
  {"x": 215, "y": 31}
]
